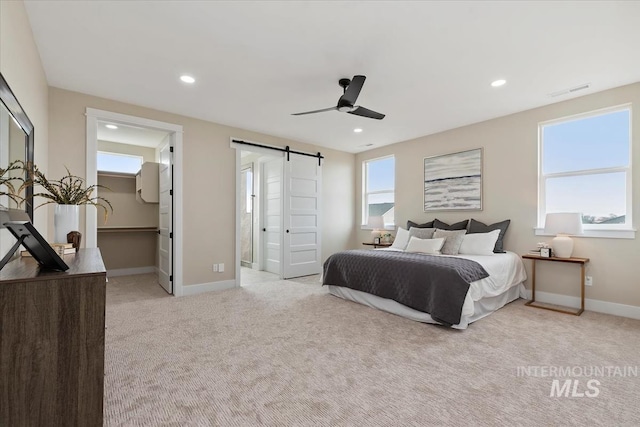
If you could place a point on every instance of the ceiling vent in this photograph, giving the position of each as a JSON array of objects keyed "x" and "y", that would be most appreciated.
[{"x": 570, "y": 90}]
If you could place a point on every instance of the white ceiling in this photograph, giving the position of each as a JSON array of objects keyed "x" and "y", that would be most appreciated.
[
  {"x": 428, "y": 64},
  {"x": 132, "y": 135}
]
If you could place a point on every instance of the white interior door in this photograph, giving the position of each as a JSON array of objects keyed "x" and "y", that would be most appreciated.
[
  {"x": 272, "y": 217},
  {"x": 302, "y": 204},
  {"x": 165, "y": 220}
]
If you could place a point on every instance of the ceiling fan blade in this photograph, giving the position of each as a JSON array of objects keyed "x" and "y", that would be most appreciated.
[
  {"x": 315, "y": 111},
  {"x": 353, "y": 90},
  {"x": 364, "y": 112}
]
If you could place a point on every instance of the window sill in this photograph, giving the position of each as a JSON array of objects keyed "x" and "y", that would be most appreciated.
[
  {"x": 386, "y": 227},
  {"x": 607, "y": 234}
]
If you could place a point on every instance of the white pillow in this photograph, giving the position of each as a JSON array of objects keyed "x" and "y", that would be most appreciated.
[
  {"x": 479, "y": 243},
  {"x": 401, "y": 240},
  {"x": 425, "y": 246}
]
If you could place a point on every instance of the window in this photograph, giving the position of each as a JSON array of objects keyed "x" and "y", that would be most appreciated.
[
  {"x": 116, "y": 162},
  {"x": 378, "y": 187},
  {"x": 585, "y": 167}
]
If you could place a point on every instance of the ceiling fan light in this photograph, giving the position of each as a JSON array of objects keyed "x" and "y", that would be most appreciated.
[{"x": 347, "y": 108}]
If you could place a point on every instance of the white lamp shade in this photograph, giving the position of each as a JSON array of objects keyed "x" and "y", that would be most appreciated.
[
  {"x": 563, "y": 223},
  {"x": 376, "y": 222}
]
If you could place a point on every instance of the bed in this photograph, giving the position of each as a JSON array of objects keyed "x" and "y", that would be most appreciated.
[{"x": 470, "y": 301}]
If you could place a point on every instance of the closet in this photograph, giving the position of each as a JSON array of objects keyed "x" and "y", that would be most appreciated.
[{"x": 128, "y": 237}]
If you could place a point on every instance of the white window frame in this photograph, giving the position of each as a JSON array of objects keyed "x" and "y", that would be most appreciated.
[
  {"x": 122, "y": 155},
  {"x": 365, "y": 195},
  {"x": 622, "y": 231}
]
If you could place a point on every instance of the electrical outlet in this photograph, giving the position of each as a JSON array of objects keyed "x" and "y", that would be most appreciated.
[
  {"x": 215, "y": 268},
  {"x": 588, "y": 281},
  {"x": 221, "y": 268}
]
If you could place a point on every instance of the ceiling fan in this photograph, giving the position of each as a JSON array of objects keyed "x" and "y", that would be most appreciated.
[{"x": 346, "y": 103}]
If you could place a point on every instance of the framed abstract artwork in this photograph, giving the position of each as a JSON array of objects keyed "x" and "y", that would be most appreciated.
[{"x": 453, "y": 181}]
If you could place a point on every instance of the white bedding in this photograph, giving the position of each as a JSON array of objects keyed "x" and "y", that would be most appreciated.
[{"x": 504, "y": 284}]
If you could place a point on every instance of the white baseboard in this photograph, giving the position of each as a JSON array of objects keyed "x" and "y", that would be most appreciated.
[
  {"x": 131, "y": 271},
  {"x": 208, "y": 287},
  {"x": 606, "y": 307}
]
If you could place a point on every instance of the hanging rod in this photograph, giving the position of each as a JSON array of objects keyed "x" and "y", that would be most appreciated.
[{"x": 284, "y": 150}]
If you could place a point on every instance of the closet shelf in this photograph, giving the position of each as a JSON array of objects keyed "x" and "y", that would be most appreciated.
[
  {"x": 117, "y": 174},
  {"x": 126, "y": 229}
]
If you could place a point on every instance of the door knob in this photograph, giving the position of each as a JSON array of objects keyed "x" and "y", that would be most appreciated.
[{"x": 264, "y": 229}]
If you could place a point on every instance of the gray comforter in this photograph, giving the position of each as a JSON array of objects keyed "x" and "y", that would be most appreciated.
[{"x": 432, "y": 284}]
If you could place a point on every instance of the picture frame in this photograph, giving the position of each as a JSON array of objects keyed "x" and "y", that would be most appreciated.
[
  {"x": 453, "y": 181},
  {"x": 376, "y": 240},
  {"x": 27, "y": 236}
]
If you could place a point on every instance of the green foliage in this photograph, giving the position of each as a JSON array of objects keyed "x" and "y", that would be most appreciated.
[{"x": 69, "y": 190}]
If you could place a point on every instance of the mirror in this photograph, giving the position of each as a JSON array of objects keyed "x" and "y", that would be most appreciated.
[{"x": 16, "y": 142}]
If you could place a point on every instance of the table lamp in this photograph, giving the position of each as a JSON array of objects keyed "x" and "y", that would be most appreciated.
[
  {"x": 562, "y": 225},
  {"x": 376, "y": 223}
]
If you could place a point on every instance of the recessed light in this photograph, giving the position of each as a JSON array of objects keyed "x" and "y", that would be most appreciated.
[
  {"x": 111, "y": 126},
  {"x": 357, "y": 130},
  {"x": 187, "y": 79},
  {"x": 498, "y": 83}
]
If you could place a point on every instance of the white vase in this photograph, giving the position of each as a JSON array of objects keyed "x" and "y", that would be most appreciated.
[{"x": 66, "y": 218}]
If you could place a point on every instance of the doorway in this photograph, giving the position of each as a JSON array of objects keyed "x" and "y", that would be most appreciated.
[
  {"x": 285, "y": 222},
  {"x": 246, "y": 216},
  {"x": 156, "y": 186},
  {"x": 254, "y": 196}
]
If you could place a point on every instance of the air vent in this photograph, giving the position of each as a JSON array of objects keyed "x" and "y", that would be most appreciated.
[{"x": 570, "y": 90}]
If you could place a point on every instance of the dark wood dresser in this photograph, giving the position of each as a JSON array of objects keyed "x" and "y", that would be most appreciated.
[{"x": 52, "y": 342}]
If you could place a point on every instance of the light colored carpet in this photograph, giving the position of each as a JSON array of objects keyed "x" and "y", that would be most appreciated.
[{"x": 286, "y": 353}]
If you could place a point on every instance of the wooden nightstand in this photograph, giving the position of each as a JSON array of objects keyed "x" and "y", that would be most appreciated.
[
  {"x": 567, "y": 310},
  {"x": 378, "y": 245}
]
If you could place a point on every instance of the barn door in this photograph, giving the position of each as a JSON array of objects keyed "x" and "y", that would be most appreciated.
[{"x": 301, "y": 216}]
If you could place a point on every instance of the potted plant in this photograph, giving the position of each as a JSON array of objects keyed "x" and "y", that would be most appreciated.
[{"x": 68, "y": 193}]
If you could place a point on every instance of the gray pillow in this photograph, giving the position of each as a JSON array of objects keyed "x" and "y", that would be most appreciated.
[
  {"x": 415, "y": 225},
  {"x": 462, "y": 225},
  {"x": 452, "y": 242},
  {"x": 421, "y": 233},
  {"x": 479, "y": 227}
]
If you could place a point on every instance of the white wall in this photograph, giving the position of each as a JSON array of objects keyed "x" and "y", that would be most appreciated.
[
  {"x": 209, "y": 180},
  {"x": 511, "y": 189},
  {"x": 21, "y": 67}
]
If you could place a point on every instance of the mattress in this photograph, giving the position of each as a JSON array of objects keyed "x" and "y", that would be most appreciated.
[{"x": 504, "y": 284}]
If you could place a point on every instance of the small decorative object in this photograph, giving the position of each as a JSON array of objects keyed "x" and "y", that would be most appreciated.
[
  {"x": 545, "y": 252},
  {"x": 68, "y": 193},
  {"x": 453, "y": 181},
  {"x": 376, "y": 240},
  {"x": 386, "y": 238},
  {"x": 562, "y": 225},
  {"x": 74, "y": 237}
]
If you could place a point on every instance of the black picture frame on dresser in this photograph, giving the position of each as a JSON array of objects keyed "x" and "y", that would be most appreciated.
[{"x": 27, "y": 236}]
